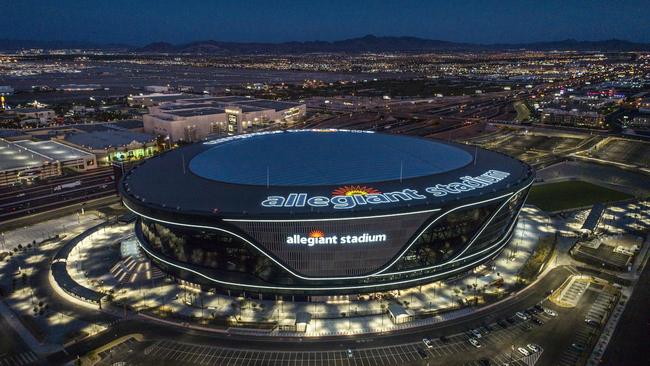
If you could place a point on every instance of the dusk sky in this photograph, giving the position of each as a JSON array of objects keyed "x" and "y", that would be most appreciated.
[{"x": 141, "y": 22}]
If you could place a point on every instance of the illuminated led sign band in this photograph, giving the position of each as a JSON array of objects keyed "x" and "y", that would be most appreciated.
[
  {"x": 342, "y": 202},
  {"x": 317, "y": 237}
]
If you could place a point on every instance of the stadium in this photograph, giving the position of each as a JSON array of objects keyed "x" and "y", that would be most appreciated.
[{"x": 324, "y": 212}]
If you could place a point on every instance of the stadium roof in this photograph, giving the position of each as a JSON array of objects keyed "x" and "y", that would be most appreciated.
[
  {"x": 229, "y": 177},
  {"x": 308, "y": 158}
]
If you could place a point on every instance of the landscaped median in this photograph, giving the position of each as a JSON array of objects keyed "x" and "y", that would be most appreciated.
[{"x": 93, "y": 357}]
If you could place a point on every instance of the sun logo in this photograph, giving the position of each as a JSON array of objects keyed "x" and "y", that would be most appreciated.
[
  {"x": 354, "y": 190},
  {"x": 316, "y": 234}
]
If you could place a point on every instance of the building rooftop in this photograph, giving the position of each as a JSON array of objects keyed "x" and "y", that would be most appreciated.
[
  {"x": 201, "y": 106},
  {"x": 198, "y": 112},
  {"x": 26, "y": 153},
  {"x": 269, "y": 104},
  {"x": 110, "y": 138},
  {"x": 129, "y": 124},
  {"x": 31, "y": 110}
]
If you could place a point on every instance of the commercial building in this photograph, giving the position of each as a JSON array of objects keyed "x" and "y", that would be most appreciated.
[
  {"x": 641, "y": 121},
  {"x": 114, "y": 144},
  {"x": 24, "y": 161},
  {"x": 195, "y": 119},
  {"x": 44, "y": 115},
  {"x": 6, "y": 90},
  {"x": 148, "y": 100},
  {"x": 573, "y": 118},
  {"x": 157, "y": 88},
  {"x": 324, "y": 212},
  {"x": 123, "y": 140},
  {"x": 644, "y": 105}
]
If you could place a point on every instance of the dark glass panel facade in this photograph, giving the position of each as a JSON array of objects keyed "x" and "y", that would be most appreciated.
[
  {"x": 225, "y": 257},
  {"x": 498, "y": 226},
  {"x": 446, "y": 238},
  {"x": 208, "y": 249}
]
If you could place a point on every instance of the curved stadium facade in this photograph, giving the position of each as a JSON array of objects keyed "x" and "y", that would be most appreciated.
[{"x": 324, "y": 212}]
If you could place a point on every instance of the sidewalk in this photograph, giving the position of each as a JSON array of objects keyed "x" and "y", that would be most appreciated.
[
  {"x": 69, "y": 224},
  {"x": 25, "y": 334}
]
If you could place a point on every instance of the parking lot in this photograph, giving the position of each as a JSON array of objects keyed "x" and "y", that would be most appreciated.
[
  {"x": 495, "y": 344},
  {"x": 110, "y": 356},
  {"x": 585, "y": 333},
  {"x": 571, "y": 296},
  {"x": 18, "y": 359}
]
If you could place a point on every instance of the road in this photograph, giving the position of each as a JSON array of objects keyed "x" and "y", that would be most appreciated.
[{"x": 154, "y": 331}]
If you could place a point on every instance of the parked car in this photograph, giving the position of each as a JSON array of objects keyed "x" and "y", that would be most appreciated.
[
  {"x": 474, "y": 343},
  {"x": 537, "y": 320},
  {"x": 444, "y": 339},
  {"x": 550, "y": 312},
  {"x": 487, "y": 329},
  {"x": 578, "y": 346},
  {"x": 475, "y": 333},
  {"x": 521, "y": 315},
  {"x": 484, "y": 362},
  {"x": 427, "y": 342},
  {"x": 533, "y": 347},
  {"x": 349, "y": 353},
  {"x": 523, "y": 351},
  {"x": 502, "y": 323}
]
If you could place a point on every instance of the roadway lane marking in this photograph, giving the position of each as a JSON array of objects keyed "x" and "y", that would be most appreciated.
[
  {"x": 174, "y": 351},
  {"x": 385, "y": 355},
  {"x": 206, "y": 358},
  {"x": 160, "y": 352},
  {"x": 193, "y": 352}
]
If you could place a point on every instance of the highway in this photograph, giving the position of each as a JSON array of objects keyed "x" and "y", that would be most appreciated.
[{"x": 17, "y": 202}]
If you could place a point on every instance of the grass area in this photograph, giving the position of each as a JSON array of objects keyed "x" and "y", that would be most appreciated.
[
  {"x": 566, "y": 195},
  {"x": 541, "y": 254},
  {"x": 523, "y": 114}
]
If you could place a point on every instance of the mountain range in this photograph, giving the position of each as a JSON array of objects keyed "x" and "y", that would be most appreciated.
[{"x": 369, "y": 43}]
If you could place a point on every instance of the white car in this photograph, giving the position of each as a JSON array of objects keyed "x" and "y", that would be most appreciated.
[
  {"x": 521, "y": 315},
  {"x": 427, "y": 342},
  {"x": 533, "y": 347},
  {"x": 349, "y": 352},
  {"x": 523, "y": 351},
  {"x": 550, "y": 312},
  {"x": 474, "y": 343},
  {"x": 475, "y": 333}
]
